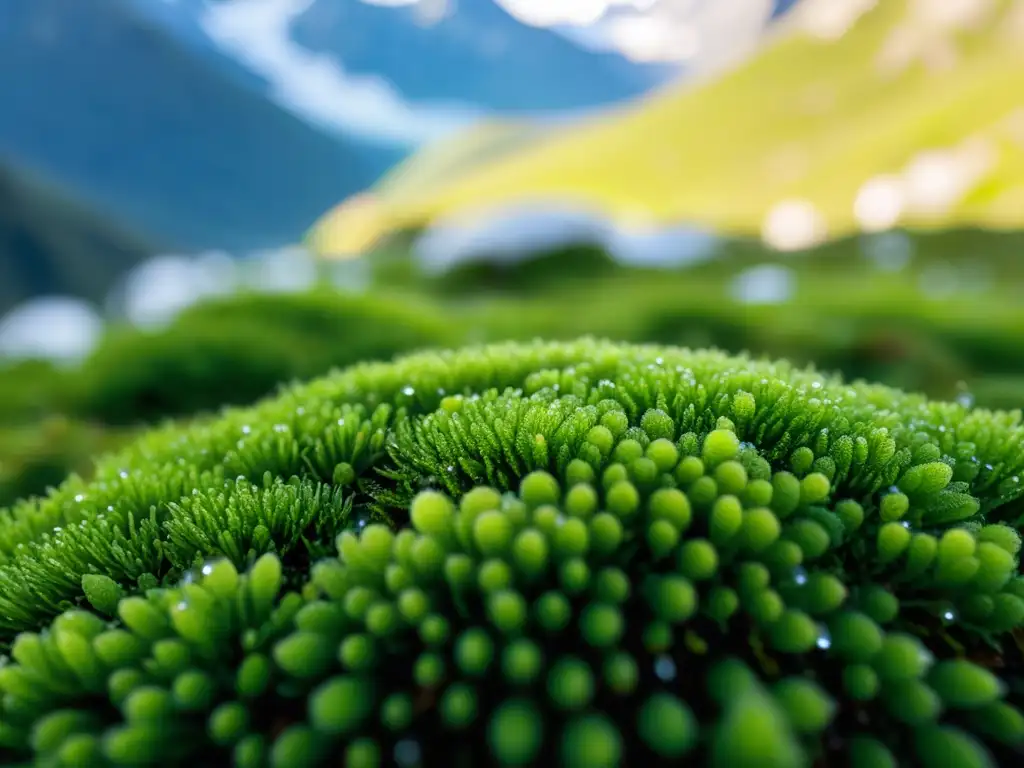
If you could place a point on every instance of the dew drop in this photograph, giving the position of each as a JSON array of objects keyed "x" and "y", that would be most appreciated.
[
  {"x": 408, "y": 753},
  {"x": 124, "y": 474},
  {"x": 79, "y": 498},
  {"x": 665, "y": 668},
  {"x": 450, "y": 468},
  {"x": 246, "y": 429},
  {"x": 800, "y": 575},
  {"x": 408, "y": 391},
  {"x": 359, "y": 519},
  {"x": 181, "y": 606},
  {"x": 209, "y": 565},
  {"x": 965, "y": 399},
  {"x": 824, "y": 641}
]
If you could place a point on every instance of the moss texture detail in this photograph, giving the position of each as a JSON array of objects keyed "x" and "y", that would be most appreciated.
[{"x": 583, "y": 554}]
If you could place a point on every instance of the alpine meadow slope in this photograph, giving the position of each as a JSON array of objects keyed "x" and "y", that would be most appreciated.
[{"x": 898, "y": 121}]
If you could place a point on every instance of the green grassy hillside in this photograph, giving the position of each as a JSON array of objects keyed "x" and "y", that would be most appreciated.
[{"x": 912, "y": 116}]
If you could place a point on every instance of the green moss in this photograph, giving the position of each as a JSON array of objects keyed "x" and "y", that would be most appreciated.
[
  {"x": 238, "y": 349},
  {"x": 36, "y": 457},
  {"x": 465, "y": 592}
]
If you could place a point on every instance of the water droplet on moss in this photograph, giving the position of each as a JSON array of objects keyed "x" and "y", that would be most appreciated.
[
  {"x": 408, "y": 753},
  {"x": 209, "y": 565},
  {"x": 800, "y": 575},
  {"x": 408, "y": 391},
  {"x": 824, "y": 641},
  {"x": 359, "y": 519},
  {"x": 665, "y": 668}
]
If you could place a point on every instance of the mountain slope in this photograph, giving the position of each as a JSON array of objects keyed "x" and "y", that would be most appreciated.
[
  {"x": 108, "y": 104},
  {"x": 51, "y": 245},
  {"x": 477, "y": 54},
  {"x": 913, "y": 116}
]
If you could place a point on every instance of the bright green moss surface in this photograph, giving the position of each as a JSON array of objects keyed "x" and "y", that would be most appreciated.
[{"x": 582, "y": 554}]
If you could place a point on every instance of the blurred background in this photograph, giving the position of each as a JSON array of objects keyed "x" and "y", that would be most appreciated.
[{"x": 201, "y": 200}]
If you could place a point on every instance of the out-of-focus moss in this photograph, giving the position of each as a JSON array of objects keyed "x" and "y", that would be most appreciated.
[
  {"x": 39, "y": 456},
  {"x": 233, "y": 351}
]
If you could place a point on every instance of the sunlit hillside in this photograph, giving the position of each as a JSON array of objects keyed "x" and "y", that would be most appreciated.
[{"x": 855, "y": 115}]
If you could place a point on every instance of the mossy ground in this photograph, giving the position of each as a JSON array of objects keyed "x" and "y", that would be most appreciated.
[
  {"x": 579, "y": 553},
  {"x": 846, "y": 316}
]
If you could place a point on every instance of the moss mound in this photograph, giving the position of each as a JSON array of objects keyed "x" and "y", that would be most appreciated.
[
  {"x": 234, "y": 350},
  {"x": 582, "y": 554},
  {"x": 39, "y": 456}
]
